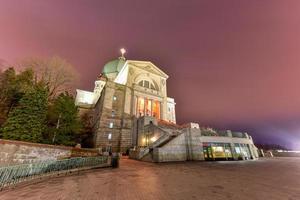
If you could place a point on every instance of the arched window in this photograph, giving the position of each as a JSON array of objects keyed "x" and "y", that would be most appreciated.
[{"x": 147, "y": 84}]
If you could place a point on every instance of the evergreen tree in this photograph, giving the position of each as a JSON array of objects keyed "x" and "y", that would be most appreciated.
[
  {"x": 86, "y": 133},
  {"x": 12, "y": 88},
  {"x": 30, "y": 107},
  {"x": 64, "y": 124},
  {"x": 26, "y": 121}
]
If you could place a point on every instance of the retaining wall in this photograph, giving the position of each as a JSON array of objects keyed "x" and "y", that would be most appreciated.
[{"x": 18, "y": 152}]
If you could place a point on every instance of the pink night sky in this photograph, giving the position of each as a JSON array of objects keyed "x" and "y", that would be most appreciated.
[{"x": 232, "y": 64}]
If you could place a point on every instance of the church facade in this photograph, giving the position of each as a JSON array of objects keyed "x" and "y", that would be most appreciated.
[
  {"x": 131, "y": 112},
  {"x": 125, "y": 91}
]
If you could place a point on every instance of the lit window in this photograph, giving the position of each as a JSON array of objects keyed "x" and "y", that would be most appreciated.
[
  {"x": 156, "y": 109},
  {"x": 141, "y": 106},
  {"x": 237, "y": 150},
  {"x": 111, "y": 125},
  {"x": 114, "y": 98},
  {"x": 113, "y": 113},
  {"x": 109, "y": 136},
  {"x": 148, "y": 107}
]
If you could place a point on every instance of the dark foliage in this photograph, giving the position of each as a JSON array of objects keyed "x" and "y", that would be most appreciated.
[{"x": 26, "y": 121}]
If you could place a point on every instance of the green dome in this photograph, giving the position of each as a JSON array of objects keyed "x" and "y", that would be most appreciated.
[{"x": 114, "y": 66}]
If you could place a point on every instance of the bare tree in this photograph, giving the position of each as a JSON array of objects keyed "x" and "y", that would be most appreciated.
[
  {"x": 3, "y": 65},
  {"x": 56, "y": 73}
]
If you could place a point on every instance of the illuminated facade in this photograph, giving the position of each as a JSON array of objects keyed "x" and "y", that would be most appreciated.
[
  {"x": 160, "y": 141},
  {"x": 130, "y": 110},
  {"x": 125, "y": 91}
]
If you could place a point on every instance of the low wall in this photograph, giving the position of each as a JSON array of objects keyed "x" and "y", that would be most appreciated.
[
  {"x": 285, "y": 154},
  {"x": 17, "y": 152}
]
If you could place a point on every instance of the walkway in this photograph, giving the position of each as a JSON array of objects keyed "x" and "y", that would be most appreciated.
[{"x": 275, "y": 179}]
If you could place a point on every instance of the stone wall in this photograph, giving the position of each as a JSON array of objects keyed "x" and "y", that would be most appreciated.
[
  {"x": 285, "y": 154},
  {"x": 113, "y": 127},
  {"x": 17, "y": 152},
  {"x": 195, "y": 148},
  {"x": 186, "y": 146},
  {"x": 189, "y": 146},
  {"x": 175, "y": 150}
]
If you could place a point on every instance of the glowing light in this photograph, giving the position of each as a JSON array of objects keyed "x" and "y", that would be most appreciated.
[
  {"x": 153, "y": 139},
  {"x": 123, "y": 51}
]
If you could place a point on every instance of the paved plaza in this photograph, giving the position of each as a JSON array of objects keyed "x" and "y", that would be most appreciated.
[{"x": 266, "y": 179}]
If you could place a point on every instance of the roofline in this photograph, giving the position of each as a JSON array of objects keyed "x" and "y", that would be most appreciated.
[{"x": 148, "y": 62}]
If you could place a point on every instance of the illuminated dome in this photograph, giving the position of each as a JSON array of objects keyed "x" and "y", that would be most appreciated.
[{"x": 114, "y": 66}]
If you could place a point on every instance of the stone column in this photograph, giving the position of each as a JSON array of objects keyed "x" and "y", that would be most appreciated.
[
  {"x": 134, "y": 106},
  {"x": 234, "y": 155},
  {"x": 160, "y": 111},
  {"x": 243, "y": 156},
  {"x": 187, "y": 143}
]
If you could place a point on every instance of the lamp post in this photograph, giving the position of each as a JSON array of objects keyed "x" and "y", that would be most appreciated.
[{"x": 57, "y": 127}]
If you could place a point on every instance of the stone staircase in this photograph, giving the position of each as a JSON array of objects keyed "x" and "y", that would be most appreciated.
[{"x": 167, "y": 134}]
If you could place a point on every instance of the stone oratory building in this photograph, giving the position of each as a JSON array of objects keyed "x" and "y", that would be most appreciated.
[
  {"x": 125, "y": 91},
  {"x": 131, "y": 112}
]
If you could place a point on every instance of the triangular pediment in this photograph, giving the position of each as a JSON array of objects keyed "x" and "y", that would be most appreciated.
[{"x": 148, "y": 66}]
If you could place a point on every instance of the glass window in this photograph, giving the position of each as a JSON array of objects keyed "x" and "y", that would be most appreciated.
[
  {"x": 141, "y": 107},
  {"x": 237, "y": 150},
  {"x": 111, "y": 125},
  {"x": 114, "y": 98},
  {"x": 156, "y": 109},
  {"x": 245, "y": 150},
  {"x": 109, "y": 136},
  {"x": 146, "y": 84},
  {"x": 218, "y": 151},
  {"x": 148, "y": 107}
]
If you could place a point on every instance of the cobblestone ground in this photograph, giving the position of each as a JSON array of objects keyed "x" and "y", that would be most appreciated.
[{"x": 267, "y": 179}]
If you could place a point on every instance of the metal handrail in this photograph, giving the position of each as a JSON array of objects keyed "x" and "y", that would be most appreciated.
[
  {"x": 11, "y": 175},
  {"x": 167, "y": 134},
  {"x": 160, "y": 140}
]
